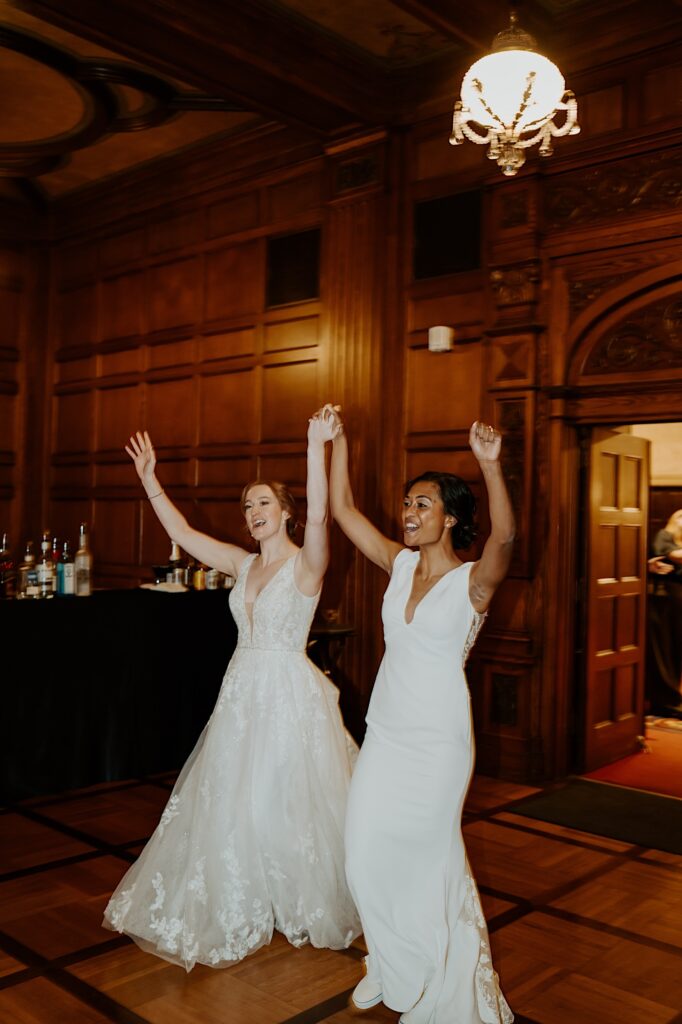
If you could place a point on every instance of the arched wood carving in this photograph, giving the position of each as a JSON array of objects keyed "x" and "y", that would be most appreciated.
[{"x": 642, "y": 335}]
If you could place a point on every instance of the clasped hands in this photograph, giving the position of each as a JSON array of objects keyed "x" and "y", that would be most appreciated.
[{"x": 326, "y": 425}]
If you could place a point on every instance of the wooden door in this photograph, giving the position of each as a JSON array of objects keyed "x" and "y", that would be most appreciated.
[{"x": 617, "y": 498}]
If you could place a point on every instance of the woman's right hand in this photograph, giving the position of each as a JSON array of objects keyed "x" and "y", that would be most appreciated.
[
  {"x": 330, "y": 422},
  {"x": 141, "y": 452}
]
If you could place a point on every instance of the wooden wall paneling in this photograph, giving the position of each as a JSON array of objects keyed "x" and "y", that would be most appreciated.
[
  {"x": 176, "y": 231},
  {"x": 69, "y": 477},
  {"x": 77, "y": 316},
  {"x": 293, "y": 333},
  {"x": 120, "y": 362},
  {"x": 661, "y": 91},
  {"x": 354, "y": 267},
  {"x": 233, "y": 214},
  {"x": 115, "y": 536},
  {"x": 298, "y": 195},
  {"x": 220, "y": 517},
  {"x": 514, "y": 416},
  {"x": 12, "y": 289},
  {"x": 229, "y": 407},
  {"x": 115, "y": 475},
  {"x": 74, "y": 422},
  {"x": 601, "y": 111},
  {"x": 75, "y": 261},
  {"x": 234, "y": 281},
  {"x": 228, "y": 344},
  {"x": 116, "y": 409},
  {"x": 64, "y": 517},
  {"x": 502, "y": 694},
  {"x": 121, "y": 249},
  {"x": 122, "y": 300},
  {"x": 172, "y": 353},
  {"x": 170, "y": 410},
  {"x": 174, "y": 295},
  {"x": 69, "y": 370},
  {"x": 230, "y": 472},
  {"x": 443, "y": 389},
  {"x": 290, "y": 468},
  {"x": 291, "y": 393}
]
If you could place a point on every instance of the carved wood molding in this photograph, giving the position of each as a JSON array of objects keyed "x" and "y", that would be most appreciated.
[
  {"x": 515, "y": 291},
  {"x": 514, "y": 418},
  {"x": 648, "y": 340},
  {"x": 587, "y": 282},
  {"x": 647, "y": 183}
]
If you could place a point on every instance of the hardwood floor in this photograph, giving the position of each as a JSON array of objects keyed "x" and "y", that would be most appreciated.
[{"x": 583, "y": 928}]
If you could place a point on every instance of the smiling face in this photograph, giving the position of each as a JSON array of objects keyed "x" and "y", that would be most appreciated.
[
  {"x": 424, "y": 518},
  {"x": 264, "y": 515}
]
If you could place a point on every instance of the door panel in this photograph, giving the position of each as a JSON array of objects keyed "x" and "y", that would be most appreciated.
[{"x": 616, "y": 596}]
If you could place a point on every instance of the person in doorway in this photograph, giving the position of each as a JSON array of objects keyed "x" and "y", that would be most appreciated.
[
  {"x": 429, "y": 955},
  {"x": 252, "y": 836},
  {"x": 664, "y": 669}
]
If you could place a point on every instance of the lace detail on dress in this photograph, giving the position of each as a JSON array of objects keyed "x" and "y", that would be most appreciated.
[
  {"x": 492, "y": 1006},
  {"x": 252, "y": 836},
  {"x": 474, "y": 629}
]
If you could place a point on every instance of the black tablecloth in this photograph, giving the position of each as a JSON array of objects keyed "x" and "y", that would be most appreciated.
[{"x": 113, "y": 686}]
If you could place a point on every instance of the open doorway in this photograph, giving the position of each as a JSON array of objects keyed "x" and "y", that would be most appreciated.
[{"x": 631, "y": 635}]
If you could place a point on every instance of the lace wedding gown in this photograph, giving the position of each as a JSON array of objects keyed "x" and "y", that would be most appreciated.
[
  {"x": 406, "y": 862},
  {"x": 252, "y": 836}
]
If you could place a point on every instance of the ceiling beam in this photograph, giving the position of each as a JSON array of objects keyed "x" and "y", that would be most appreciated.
[{"x": 248, "y": 53}]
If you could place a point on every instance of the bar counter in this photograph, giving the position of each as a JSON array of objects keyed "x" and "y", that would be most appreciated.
[
  {"x": 112, "y": 686},
  {"x": 117, "y": 685}
]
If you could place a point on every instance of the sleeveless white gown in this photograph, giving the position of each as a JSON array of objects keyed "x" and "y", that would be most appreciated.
[
  {"x": 252, "y": 836},
  {"x": 405, "y": 857}
]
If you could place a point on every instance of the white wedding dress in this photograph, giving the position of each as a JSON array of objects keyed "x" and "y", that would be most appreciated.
[
  {"x": 252, "y": 836},
  {"x": 406, "y": 862}
]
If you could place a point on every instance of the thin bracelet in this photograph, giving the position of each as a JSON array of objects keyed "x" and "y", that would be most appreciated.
[{"x": 151, "y": 496}]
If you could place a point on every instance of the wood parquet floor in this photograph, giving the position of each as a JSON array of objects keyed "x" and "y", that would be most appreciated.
[{"x": 584, "y": 929}]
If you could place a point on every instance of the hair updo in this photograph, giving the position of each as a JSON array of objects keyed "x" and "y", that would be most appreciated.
[
  {"x": 283, "y": 496},
  {"x": 458, "y": 502}
]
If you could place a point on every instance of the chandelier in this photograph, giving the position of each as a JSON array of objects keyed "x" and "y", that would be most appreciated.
[{"x": 512, "y": 95}]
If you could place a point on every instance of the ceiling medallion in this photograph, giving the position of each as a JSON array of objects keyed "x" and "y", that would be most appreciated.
[{"x": 512, "y": 95}]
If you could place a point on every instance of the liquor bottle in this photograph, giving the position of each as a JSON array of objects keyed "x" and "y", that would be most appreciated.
[
  {"x": 27, "y": 576},
  {"x": 7, "y": 576},
  {"x": 83, "y": 564},
  {"x": 199, "y": 577},
  {"x": 55, "y": 562},
  {"x": 66, "y": 573},
  {"x": 46, "y": 568},
  {"x": 176, "y": 570}
]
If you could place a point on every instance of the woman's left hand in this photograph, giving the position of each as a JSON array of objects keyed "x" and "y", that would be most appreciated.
[
  {"x": 324, "y": 425},
  {"x": 485, "y": 441}
]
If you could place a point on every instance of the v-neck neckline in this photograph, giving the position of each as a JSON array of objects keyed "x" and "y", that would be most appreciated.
[
  {"x": 430, "y": 591},
  {"x": 262, "y": 589}
]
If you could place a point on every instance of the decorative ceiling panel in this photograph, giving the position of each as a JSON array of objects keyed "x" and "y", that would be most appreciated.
[
  {"x": 380, "y": 28},
  {"x": 38, "y": 102}
]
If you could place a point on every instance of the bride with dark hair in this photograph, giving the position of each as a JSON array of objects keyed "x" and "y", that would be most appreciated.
[{"x": 429, "y": 956}]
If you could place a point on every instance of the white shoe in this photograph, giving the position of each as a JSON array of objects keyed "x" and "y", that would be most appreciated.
[{"x": 367, "y": 993}]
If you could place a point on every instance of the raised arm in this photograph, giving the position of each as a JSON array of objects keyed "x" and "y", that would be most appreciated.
[
  {"x": 315, "y": 551},
  {"x": 493, "y": 565},
  {"x": 370, "y": 541},
  {"x": 217, "y": 554}
]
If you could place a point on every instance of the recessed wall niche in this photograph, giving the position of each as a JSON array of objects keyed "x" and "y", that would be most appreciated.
[
  {"x": 447, "y": 235},
  {"x": 293, "y": 268}
]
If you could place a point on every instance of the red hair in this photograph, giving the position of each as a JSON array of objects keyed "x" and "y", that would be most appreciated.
[{"x": 284, "y": 497}]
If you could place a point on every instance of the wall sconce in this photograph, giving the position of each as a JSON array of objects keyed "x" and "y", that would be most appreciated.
[{"x": 441, "y": 339}]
